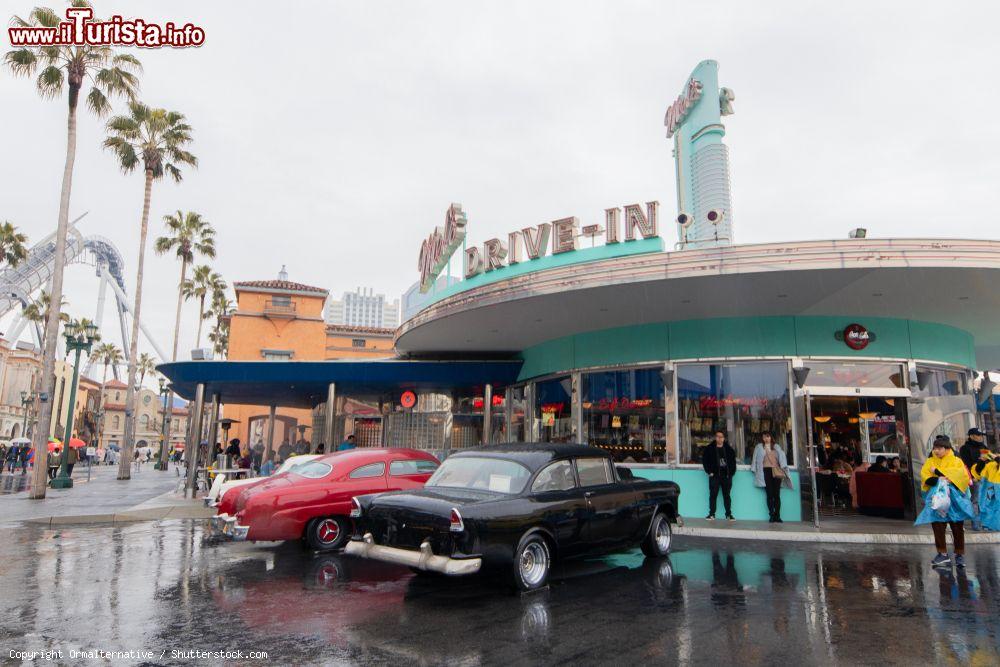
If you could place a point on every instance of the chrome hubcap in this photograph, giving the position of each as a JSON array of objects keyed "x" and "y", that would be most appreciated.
[
  {"x": 328, "y": 531},
  {"x": 534, "y": 563},
  {"x": 662, "y": 536}
]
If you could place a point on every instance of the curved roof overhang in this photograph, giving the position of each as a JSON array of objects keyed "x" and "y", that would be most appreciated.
[
  {"x": 305, "y": 383},
  {"x": 947, "y": 281}
]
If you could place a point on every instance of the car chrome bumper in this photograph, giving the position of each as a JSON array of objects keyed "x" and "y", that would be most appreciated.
[
  {"x": 225, "y": 525},
  {"x": 423, "y": 559}
]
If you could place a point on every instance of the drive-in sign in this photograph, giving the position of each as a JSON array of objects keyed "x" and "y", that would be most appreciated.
[{"x": 856, "y": 336}]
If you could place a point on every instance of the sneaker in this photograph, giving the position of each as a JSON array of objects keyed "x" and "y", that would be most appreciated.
[
  {"x": 777, "y": 519},
  {"x": 710, "y": 517},
  {"x": 730, "y": 517},
  {"x": 941, "y": 560},
  {"x": 960, "y": 561}
]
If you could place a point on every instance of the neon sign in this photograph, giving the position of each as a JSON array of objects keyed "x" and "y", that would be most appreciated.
[
  {"x": 678, "y": 111},
  {"x": 438, "y": 248}
]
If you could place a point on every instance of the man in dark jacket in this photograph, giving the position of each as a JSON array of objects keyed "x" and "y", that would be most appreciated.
[
  {"x": 719, "y": 462},
  {"x": 969, "y": 453}
]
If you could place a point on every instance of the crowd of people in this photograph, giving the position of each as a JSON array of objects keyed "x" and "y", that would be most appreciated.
[{"x": 254, "y": 459}]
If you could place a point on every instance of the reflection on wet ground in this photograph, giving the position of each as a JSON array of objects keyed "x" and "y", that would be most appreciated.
[
  {"x": 14, "y": 483},
  {"x": 165, "y": 587}
]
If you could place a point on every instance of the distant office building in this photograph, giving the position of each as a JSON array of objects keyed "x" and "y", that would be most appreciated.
[{"x": 363, "y": 308}]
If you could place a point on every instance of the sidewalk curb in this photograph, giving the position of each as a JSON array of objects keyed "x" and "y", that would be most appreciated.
[
  {"x": 829, "y": 537},
  {"x": 131, "y": 516}
]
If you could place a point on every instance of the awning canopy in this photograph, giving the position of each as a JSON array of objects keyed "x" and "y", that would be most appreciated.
[{"x": 304, "y": 384}]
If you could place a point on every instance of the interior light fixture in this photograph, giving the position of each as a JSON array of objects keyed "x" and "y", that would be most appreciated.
[
  {"x": 822, "y": 419},
  {"x": 868, "y": 415}
]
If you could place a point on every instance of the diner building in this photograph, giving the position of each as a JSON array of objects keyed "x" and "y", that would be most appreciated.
[{"x": 844, "y": 350}]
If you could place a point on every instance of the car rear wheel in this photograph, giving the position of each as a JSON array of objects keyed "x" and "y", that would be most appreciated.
[
  {"x": 327, "y": 533},
  {"x": 656, "y": 544},
  {"x": 532, "y": 563}
]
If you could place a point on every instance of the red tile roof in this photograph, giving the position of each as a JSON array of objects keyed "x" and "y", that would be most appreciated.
[
  {"x": 279, "y": 284},
  {"x": 115, "y": 384}
]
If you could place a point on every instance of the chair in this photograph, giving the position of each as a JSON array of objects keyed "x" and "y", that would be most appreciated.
[{"x": 880, "y": 494}]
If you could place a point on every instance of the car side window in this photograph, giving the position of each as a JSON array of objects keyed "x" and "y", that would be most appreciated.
[
  {"x": 412, "y": 467},
  {"x": 370, "y": 470},
  {"x": 556, "y": 476},
  {"x": 593, "y": 472}
]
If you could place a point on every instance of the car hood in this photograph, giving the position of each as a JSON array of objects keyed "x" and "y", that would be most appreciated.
[{"x": 249, "y": 492}]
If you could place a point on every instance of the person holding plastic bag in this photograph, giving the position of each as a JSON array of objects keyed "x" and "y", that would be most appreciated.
[
  {"x": 986, "y": 472},
  {"x": 947, "y": 501}
]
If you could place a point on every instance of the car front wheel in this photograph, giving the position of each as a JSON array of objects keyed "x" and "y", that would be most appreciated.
[
  {"x": 657, "y": 542},
  {"x": 532, "y": 563},
  {"x": 327, "y": 533}
]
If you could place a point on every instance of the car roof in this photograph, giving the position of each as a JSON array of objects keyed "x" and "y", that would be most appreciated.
[
  {"x": 534, "y": 455},
  {"x": 362, "y": 453}
]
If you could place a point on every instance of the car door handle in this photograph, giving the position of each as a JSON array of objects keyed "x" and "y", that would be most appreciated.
[{"x": 588, "y": 494}]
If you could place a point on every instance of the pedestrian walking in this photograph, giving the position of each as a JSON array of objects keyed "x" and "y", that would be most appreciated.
[
  {"x": 947, "y": 500},
  {"x": 986, "y": 475},
  {"x": 719, "y": 461},
  {"x": 770, "y": 472},
  {"x": 72, "y": 457},
  {"x": 969, "y": 453},
  {"x": 13, "y": 455}
]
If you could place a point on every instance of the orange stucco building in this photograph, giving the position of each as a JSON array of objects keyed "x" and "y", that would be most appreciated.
[{"x": 281, "y": 320}]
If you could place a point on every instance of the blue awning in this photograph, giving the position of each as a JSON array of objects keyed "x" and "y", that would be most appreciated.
[{"x": 304, "y": 383}]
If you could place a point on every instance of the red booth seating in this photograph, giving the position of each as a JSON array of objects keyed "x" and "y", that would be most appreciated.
[{"x": 880, "y": 494}]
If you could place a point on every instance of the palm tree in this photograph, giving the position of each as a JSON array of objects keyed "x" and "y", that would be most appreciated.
[
  {"x": 38, "y": 311},
  {"x": 220, "y": 310},
  {"x": 12, "y": 250},
  {"x": 108, "y": 355},
  {"x": 202, "y": 282},
  {"x": 145, "y": 365},
  {"x": 67, "y": 67},
  {"x": 189, "y": 234},
  {"x": 154, "y": 138}
]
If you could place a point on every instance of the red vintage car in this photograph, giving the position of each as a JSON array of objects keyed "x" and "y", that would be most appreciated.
[{"x": 313, "y": 500}]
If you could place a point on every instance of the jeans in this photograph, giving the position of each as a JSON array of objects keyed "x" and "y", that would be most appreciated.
[
  {"x": 716, "y": 482},
  {"x": 772, "y": 488}
]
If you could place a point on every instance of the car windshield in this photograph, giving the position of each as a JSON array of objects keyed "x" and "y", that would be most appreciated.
[
  {"x": 312, "y": 469},
  {"x": 484, "y": 474}
]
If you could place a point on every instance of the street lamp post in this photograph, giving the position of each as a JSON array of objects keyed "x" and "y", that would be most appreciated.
[
  {"x": 77, "y": 341},
  {"x": 164, "y": 463},
  {"x": 26, "y": 400}
]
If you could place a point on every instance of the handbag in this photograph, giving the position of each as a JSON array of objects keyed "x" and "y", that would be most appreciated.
[{"x": 776, "y": 470}]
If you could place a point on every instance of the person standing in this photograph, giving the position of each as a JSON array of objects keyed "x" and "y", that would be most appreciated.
[
  {"x": 719, "y": 462},
  {"x": 770, "y": 472},
  {"x": 72, "y": 456},
  {"x": 347, "y": 444},
  {"x": 943, "y": 467},
  {"x": 969, "y": 453},
  {"x": 284, "y": 451}
]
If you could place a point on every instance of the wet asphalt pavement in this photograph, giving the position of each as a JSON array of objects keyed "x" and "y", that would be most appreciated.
[{"x": 164, "y": 587}]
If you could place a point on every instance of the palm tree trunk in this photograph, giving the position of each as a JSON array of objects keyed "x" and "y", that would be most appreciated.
[
  {"x": 125, "y": 464},
  {"x": 48, "y": 380},
  {"x": 180, "y": 301},
  {"x": 100, "y": 405},
  {"x": 201, "y": 318}
]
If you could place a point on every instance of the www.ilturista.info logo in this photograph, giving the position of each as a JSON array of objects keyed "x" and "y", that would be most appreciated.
[{"x": 81, "y": 29}]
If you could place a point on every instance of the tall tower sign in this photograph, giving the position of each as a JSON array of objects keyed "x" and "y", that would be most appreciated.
[{"x": 694, "y": 122}]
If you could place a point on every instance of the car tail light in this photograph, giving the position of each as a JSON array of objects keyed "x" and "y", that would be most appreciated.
[
  {"x": 457, "y": 525},
  {"x": 355, "y": 508}
]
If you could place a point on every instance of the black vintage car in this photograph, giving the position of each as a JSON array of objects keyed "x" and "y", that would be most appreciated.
[{"x": 516, "y": 508}]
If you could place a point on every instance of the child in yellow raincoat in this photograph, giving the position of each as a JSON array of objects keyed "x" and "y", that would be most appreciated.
[
  {"x": 942, "y": 467},
  {"x": 986, "y": 471}
]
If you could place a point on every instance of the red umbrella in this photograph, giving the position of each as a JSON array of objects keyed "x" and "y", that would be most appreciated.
[
  {"x": 54, "y": 444},
  {"x": 76, "y": 443}
]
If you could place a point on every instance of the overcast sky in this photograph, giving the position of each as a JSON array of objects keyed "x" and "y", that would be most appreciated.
[{"x": 333, "y": 138}]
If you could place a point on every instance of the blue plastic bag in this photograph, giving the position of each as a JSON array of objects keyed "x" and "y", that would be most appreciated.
[
  {"x": 989, "y": 504},
  {"x": 960, "y": 510}
]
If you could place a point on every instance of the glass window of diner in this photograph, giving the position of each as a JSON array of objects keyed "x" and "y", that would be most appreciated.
[
  {"x": 553, "y": 410},
  {"x": 743, "y": 400},
  {"x": 623, "y": 413}
]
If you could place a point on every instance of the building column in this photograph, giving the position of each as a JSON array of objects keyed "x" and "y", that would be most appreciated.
[
  {"x": 213, "y": 425},
  {"x": 193, "y": 443},
  {"x": 576, "y": 406},
  {"x": 530, "y": 427},
  {"x": 487, "y": 412},
  {"x": 270, "y": 434},
  {"x": 508, "y": 408},
  {"x": 328, "y": 421}
]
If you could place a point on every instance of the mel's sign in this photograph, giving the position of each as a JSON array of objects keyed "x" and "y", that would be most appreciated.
[
  {"x": 438, "y": 248},
  {"x": 855, "y": 336},
  {"x": 621, "y": 224}
]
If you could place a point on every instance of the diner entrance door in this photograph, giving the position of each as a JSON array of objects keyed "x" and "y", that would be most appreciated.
[
  {"x": 368, "y": 431},
  {"x": 862, "y": 456}
]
